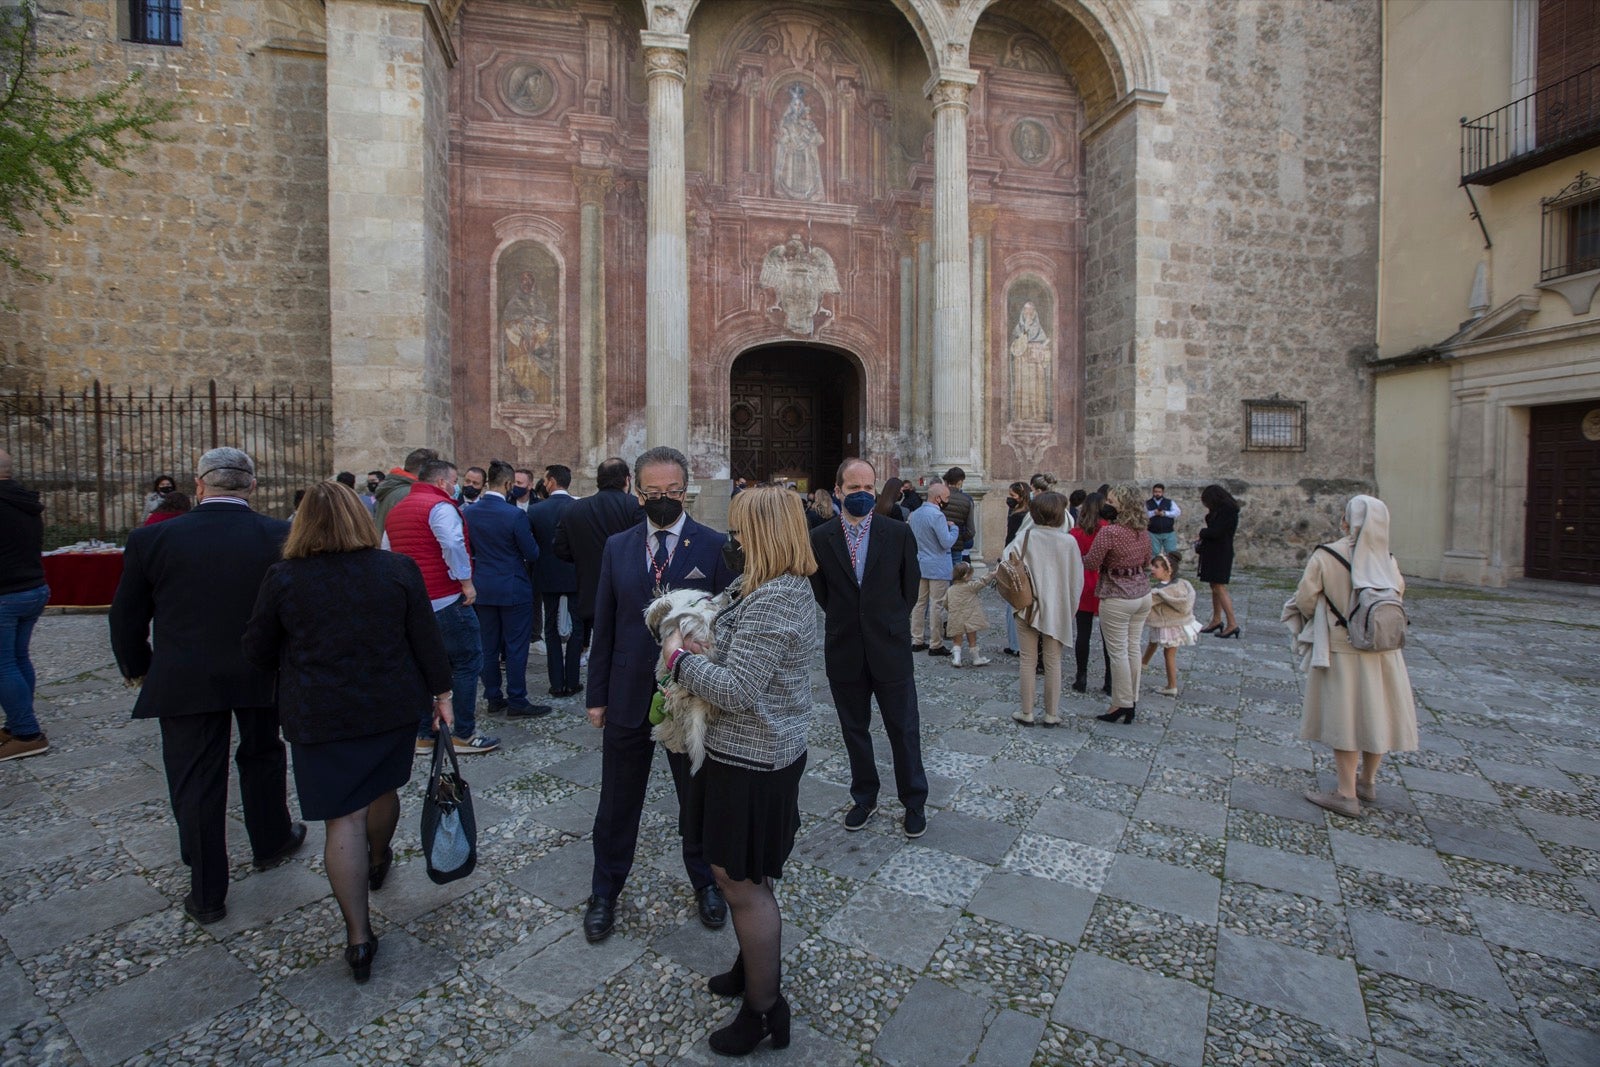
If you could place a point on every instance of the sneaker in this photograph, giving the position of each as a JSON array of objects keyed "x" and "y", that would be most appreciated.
[
  {"x": 916, "y": 823},
  {"x": 979, "y": 660},
  {"x": 955, "y": 657},
  {"x": 538, "y": 649},
  {"x": 475, "y": 745},
  {"x": 939, "y": 650},
  {"x": 16, "y": 748},
  {"x": 583, "y": 658},
  {"x": 857, "y": 816},
  {"x": 424, "y": 746}
]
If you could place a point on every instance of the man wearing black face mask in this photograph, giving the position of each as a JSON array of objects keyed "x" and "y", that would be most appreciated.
[
  {"x": 669, "y": 551},
  {"x": 472, "y": 482},
  {"x": 866, "y": 581}
]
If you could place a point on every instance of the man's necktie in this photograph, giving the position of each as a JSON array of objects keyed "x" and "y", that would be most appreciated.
[{"x": 661, "y": 551}]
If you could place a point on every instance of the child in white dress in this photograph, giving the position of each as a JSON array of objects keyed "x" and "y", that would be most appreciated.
[{"x": 1172, "y": 623}]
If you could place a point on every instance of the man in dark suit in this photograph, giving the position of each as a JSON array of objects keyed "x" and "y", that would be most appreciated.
[
  {"x": 197, "y": 577},
  {"x": 667, "y": 551},
  {"x": 589, "y": 523},
  {"x": 557, "y": 580},
  {"x": 866, "y": 582},
  {"x": 502, "y": 548}
]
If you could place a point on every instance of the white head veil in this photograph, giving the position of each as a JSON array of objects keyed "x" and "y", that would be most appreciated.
[{"x": 1370, "y": 562}]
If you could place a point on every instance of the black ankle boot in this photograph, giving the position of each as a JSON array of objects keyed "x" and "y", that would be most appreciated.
[
  {"x": 1080, "y": 683},
  {"x": 730, "y": 984},
  {"x": 741, "y": 1036}
]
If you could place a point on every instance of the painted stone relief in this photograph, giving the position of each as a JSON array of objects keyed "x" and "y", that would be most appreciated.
[
  {"x": 796, "y": 151},
  {"x": 527, "y": 88},
  {"x": 1030, "y": 142},
  {"x": 529, "y": 347},
  {"x": 799, "y": 276},
  {"x": 1030, "y": 352}
]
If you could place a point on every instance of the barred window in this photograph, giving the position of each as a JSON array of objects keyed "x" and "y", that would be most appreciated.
[
  {"x": 1571, "y": 237},
  {"x": 1275, "y": 425},
  {"x": 155, "y": 21}
]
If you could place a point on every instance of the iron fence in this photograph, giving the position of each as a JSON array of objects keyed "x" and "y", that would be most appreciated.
[
  {"x": 95, "y": 454},
  {"x": 1554, "y": 122}
]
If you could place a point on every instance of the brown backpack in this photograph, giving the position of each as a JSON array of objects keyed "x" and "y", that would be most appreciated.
[{"x": 1014, "y": 582}]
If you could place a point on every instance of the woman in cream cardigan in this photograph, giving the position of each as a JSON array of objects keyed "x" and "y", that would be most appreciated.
[
  {"x": 1360, "y": 705},
  {"x": 1056, "y": 567}
]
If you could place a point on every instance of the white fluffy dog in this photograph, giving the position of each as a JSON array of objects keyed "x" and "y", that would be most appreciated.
[{"x": 691, "y": 613}]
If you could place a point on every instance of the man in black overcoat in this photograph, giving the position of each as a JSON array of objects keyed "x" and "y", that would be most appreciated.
[
  {"x": 586, "y": 526},
  {"x": 866, "y": 582},
  {"x": 196, "y": 578}
]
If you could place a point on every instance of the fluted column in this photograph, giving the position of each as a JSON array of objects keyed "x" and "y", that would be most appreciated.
[
  {"x": 593, "y": 185},
  {"x": 952, "y": 270},
  {"x": 666, "y": 328}
]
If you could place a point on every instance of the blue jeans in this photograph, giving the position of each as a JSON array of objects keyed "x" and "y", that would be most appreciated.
[
  {"x": 459, "y": 626},
  {"x": 1163, "y": 542},
  {"x": 18, "y": 613}
]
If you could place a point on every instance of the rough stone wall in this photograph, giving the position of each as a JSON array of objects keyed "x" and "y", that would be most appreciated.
[
  {"x": 209, "y": 260},
  {"x": 1109, "y": 297}
]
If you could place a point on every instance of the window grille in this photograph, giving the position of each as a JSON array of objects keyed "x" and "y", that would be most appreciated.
[
  {"x": 1571, "y": 237},
  {"x": 1275, "y": 425},
  {"x": 155, "y": 21}
]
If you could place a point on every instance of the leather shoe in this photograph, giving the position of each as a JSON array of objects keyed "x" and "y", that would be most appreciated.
[
  {"x": 599, "y": 919},
  {"x": 297, "y": 837},
  {"x": 528, "y": 711},
  {"x": 203, "y": 916},
  {"x": 713, "y": 909}
]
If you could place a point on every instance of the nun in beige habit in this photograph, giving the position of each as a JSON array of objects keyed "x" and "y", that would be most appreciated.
[{"x": 1360, "y": 704}]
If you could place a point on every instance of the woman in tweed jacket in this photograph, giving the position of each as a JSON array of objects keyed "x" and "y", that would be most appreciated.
[{"x": 743, "y": 807}]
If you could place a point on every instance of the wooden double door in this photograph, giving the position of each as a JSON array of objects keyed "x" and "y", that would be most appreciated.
[
  {"x": 794, "y": 414},
  {"x": 1563, "y": 528}
]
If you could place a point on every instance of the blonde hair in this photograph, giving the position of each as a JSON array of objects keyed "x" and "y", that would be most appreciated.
[
  {"x": 1128, "y": 499},
  {"x": 771, "y": 526},
  {"x": 331, "y": 518}
]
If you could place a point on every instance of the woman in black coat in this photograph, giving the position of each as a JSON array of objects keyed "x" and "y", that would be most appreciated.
[
  {"x": 1215, "y": 549},
  {"x": 352, "y": 635}
]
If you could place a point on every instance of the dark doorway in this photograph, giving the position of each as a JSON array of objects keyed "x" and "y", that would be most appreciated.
[
  {"x": 794, "y": 414},
  {"x": 1563, "y": 536}
]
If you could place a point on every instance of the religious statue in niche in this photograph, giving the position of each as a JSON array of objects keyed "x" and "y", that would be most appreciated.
[
  {"x": 527, "y": 337},
  {"x": 1030, "y": 142},
  {"x": 527, "y": 88},
  {"x": 1031, "y": 355},
  {"x": 796, "y": 157},
  {"x": 799, "y": 276}
]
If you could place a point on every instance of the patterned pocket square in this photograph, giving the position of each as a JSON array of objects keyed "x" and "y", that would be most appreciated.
[{"x": 693, "y": 574}]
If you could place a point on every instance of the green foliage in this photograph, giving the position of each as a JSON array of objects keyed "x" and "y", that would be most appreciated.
[{"x": 53, "y": 142}]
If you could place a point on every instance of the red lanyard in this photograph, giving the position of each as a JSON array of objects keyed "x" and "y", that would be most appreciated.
[
  {"x": 854, "y": 543},
  {"x": 650, "y": 556}
]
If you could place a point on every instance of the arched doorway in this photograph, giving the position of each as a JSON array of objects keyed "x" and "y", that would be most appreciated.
[{"x": 794, "y": 413}]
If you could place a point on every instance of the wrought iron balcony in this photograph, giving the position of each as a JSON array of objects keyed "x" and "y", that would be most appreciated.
[{"x": 1556, "y": 121}]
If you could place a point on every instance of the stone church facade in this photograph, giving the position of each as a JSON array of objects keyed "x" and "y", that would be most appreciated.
[{"x": 1102, "y": 238}]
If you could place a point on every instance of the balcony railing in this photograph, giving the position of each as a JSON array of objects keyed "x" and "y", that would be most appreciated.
[{"x": 1556, "y": 121}]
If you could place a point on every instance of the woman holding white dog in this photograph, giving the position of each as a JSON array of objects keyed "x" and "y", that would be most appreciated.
[{"x": 743, "y": 807}]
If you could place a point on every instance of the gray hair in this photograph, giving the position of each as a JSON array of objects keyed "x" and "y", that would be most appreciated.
[
  {"x": 229, "y": 469},
  {"x": 660, "y": 456}
]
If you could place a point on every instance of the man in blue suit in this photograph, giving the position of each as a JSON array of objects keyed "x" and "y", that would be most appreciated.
[
  {"x": 502, "y": 547},
  {"x": 556, "y": 578},
  {"x": 667, "y": 551}
]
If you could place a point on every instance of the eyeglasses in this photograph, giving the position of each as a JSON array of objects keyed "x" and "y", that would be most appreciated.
[{"x": 670, "y": 494}]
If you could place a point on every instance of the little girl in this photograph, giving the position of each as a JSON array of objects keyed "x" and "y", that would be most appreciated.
[
  {"x": 964, "y": 614},
  {"x": 1172, "y": 623}
]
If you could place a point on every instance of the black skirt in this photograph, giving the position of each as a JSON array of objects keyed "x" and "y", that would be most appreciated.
[
  {"x": 335, "y": 778},
  {"x": 745, "y": 820}
]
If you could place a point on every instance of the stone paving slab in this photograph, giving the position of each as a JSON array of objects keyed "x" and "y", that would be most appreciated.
[{"x": 1095, "y": 893}]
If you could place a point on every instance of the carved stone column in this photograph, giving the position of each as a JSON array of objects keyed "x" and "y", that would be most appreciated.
[
  {"x": 666, "y": 284},
  {"x": 593, "y": 185},
  {"x": 952, "y": 271}
]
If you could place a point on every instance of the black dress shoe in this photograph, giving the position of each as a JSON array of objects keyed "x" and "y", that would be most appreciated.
[
  {"x": 494, "y": 707},
  {"x": 919, "y": 648},
  {"x": 528, "y": 711},
  {"x": 203, "y": 916},
  {"x": 713, "y": 909},
  {"x": 599, "y": 919},
  {"x": 297, "y": 837},
  {"x": 359, "y": 957}
]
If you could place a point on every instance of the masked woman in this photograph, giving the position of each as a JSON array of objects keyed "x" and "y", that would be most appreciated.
[{"x": 743, "y": 807}]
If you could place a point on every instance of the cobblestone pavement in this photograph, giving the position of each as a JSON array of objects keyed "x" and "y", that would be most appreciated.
[{"x": 1153, "y": 893}]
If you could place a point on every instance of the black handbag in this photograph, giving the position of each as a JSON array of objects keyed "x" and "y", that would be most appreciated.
[{"x": 449, "y": 828}]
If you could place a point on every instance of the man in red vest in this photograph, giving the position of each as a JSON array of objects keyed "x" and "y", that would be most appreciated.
[{"x": 426, "y": 525}]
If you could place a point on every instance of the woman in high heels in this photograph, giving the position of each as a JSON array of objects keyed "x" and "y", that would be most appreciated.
[
  {"x": 743, "y": 807},
  {"x": 353, "y": 731},
  {"x": 1215, "y": 550},
  {"x": 1121, "y": 554}
]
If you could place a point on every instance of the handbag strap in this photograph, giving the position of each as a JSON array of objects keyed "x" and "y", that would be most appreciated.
[{"x": 444, "y": 746}]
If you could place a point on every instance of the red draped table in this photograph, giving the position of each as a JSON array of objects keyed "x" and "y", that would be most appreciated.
[{"x": 83, "y": 579}]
